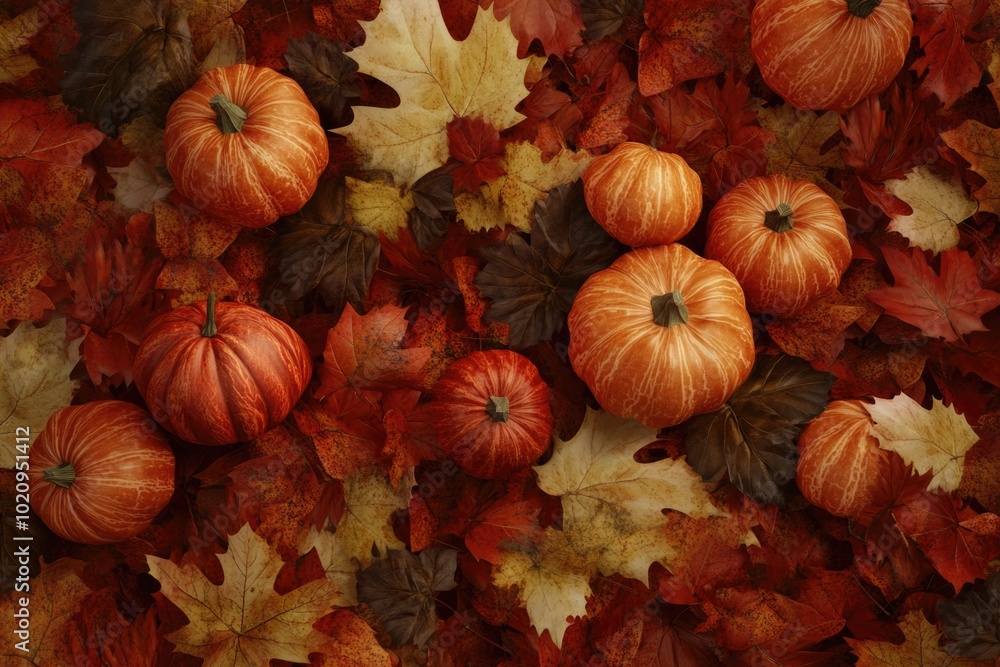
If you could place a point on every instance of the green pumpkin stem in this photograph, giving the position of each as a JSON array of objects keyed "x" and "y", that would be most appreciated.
[
  {"x": 210, "y": 329},
  {"x": 862, "y": 8},
  {"x": 498, "y": 408},
  {"x": 780, "y": 219},
  {"x": 669, "y": 309},
  {"x": 61, "y": 475},
  {"x": 229, "y": 116}
]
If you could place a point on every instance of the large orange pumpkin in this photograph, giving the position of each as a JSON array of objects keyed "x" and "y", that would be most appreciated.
[
  {"x": 660, "y": 335},
  {"x": 829, "y": 54},
  {"x": 839, "y": 459},
  {"x": 245, "y": 145},
  {"x": 100, "y": 472},
  {"x": 642, "y": 196},
  {"x": 785, "y": 240}
]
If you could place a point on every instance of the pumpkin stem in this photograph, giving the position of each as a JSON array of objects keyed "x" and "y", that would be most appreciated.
[
  {"x": 862, "y": 8},
  {"x": 228, "y": 115},
  {"x": 498, "y": 408},
  {"x": 780, "y": 219},
  {"x": 60, "y": 475},
  {"x": 669, "y": 309},
  {"x": 210, "y": 329}
]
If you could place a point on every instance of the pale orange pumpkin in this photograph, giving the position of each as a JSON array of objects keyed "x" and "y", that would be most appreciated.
[
  {"x": 642, "y": 196},
  {"x": 661, "y": 335},
  {"x": 839, "y": 459},
  {"x": 785, "y": 240},
  {"x": 829, "y": 54},
  {"x": 245, "y": 145}
]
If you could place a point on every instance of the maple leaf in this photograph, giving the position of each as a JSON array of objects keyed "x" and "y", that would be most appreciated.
[
  {"x": 753, "y": 434},
  {"x": 556, "y": 24},
  {"x": 216, "y": 40},
  {"x": 433, "y": 198},
  {"x": 801, "y": 148},
  {"x": 532, "y": 285},
  {"x": 400, "y": 587},
  {"x": 34, "y": 380},
  {"x": 688, "y": 40},
  {"x": 328, "y": 76},
  {"x": 131, "y": 55},
  {"x": 939, "y": 206},
  {"x": 366, "y": 352},
  {"x": 612, "y": 518},
  {"x": 816, "y": 333},
  {"x": 437, "y": 79},
  {"x": 476, "y": 144},
  {"x": 931, "y": 440},
  {"x": 513, "y": 518},
  {"x": 369, "y": 503},
  {"x": 338, "y": 564},
  {"x": 378, "y": 205},
  {"x": 15, "y": 34},
  {"x": 945, "y": 305},
  {"x": 897, "y": 486},
  {"x": 41, "y": 155},
  {"x": 608, "y": 124},
  {"x": 972, "y": 621},
  {"x": 920, "y": 648},
  {"x": 24, "y": 266},
  {"x": 244, "y": 621},
  {"x": 510, "y": 199},
  {"x": 980, "y": 146},
  {"x": 948, "y": 68}
]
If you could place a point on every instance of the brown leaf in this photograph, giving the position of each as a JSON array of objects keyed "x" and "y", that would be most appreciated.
[{"x": 328, "y": 77}]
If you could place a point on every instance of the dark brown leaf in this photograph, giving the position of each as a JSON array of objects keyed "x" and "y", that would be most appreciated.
[
  {"x": 433, "y": 196},
  {"x": 326, "y": 75},
  {"x": 972, "y": 620},
  {"x": 605, "y": 17},
  {"x": 753, "y": 433}
]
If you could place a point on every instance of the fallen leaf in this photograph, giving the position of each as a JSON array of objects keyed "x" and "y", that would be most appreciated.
[
  {"x": 802, "y": 144},
  {"x": 352, "y": 643},
  {"x": 556, "y": 24},
  {"x": 15, "y": 34},
  {"x": 818, "y": 332},
  {"x": 243, "y": 621},
  {"x": 939, "y": 206},
  {"x": 437, "y": 79},
  {"x": 328, "y": 76},
  {"x": 980, "y": 146},
  {"x": 215, "y": 38},
  {"x": 378, "y": 205},
  {"x": 369, "y": 503},
  {"x": 920, "y": 648},
  {"x": 947, "y": 66},
  {"x": 944, "y": 305},
  {"x": 339, "y": 566},
  {"x": 35, "y": 380},
  {"x": 476, "y": 145},
  {"x": 24, "y": 266},
  {"x": 935, "y": 439},
  {"x": 970, "y": 621}
]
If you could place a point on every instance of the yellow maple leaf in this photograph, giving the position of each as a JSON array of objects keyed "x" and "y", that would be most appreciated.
[
  {"x": 935, "y": 439},
  {"x": 612, "y": 518},
  {"x": 338, "y": 564},
  {"x": 510, "y": 199},
  {"x": 379, "y": 205},
  {"x": 939, "y": 205},
  {"x": 15, "y": 34},
  {"x": 919, "y": 650},
  {"x": 244, "y": 622},
  {"x": 437, "y": 79},
  {"x": 369, "y": 503},
  {"x": 35, "y": 365}
]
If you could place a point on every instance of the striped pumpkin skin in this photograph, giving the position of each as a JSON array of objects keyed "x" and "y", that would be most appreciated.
[
  {"x": 642, "y": 196},
  {"x": 223, "y": 389},
  {"x": 818, "y": 55},
  {"x": 124, "y": 472},
  {"x": 661, "y": 376},
  {"x": 781, "y": 272},
  {"x": 269, "y": 168},
  {"x": 481, "y": 445},
  {"x": 839, "y": 460}
]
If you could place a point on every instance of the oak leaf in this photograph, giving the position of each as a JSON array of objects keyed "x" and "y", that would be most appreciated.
[
  {"x": 939, "y": 206},
  {"x": 437, "y": 79},
  {"x": 944, "y": 305},
  {"x": 920, "y": 648},
  {"x": 244, "y": 621}
]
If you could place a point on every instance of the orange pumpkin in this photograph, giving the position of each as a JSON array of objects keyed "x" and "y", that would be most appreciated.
[
  {"x": 785, "y": 241},
  {"x": 829, "y": 54},
  {"x": 660, "y": 335},
  {"x": 245, "y": 145},
  {"x": 642, "y": 196},
  {"x": 839, "y": 460}
]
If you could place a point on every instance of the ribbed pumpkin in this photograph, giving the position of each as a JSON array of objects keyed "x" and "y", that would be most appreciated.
[
  {"x": 217, "y": 374},
  {"x": 839, "y": 460},
  {"x": 100, "y": 472},
  {"x": 829, "y": 54},
  {"x": 245, "y": 145},
  {"x": 642, "y": 196},
  {"x": 660, "y": 335},
  {"x": 785, "y": 240},
  {"x": 492, "y": 414}
]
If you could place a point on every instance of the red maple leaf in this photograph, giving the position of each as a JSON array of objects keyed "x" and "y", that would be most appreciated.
[
  {"x": 896, "y": 486},
  {"x": 947, "y": 66},
  {"x": 946, "y": 305},
  {"x": 476, "y": 144},
  {"x": 608, "y": 122},
  {"x": 508, "y": 520},
  {"x": 556, "y": 24}
]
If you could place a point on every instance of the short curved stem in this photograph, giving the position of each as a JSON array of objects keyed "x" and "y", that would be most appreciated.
[
  {"x": 229, "y": 116},
  {"x": 210, "y": 329},
  {"x": 62, "y": 475},
  {"x": 779, "y": 219},
  {"x": 862, "y": 8},
  {"x": 498, "y": 408},
  {"x": 669, "y": 309}
]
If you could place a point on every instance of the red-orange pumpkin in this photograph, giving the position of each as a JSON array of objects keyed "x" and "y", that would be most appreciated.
[
  {"x": 660, "y": 335},
  {"x": 642, "y": 196},
  {"x": 839, "y": 460},
  {"x": 785, "y": 241},
  {"x": 829, "y": 54},
  {"x": 245, "y": 145},
  {"x": 492, "y": 413},
  {"x": 100, "y": 472},
  {"x": 221, "y": 374}
]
